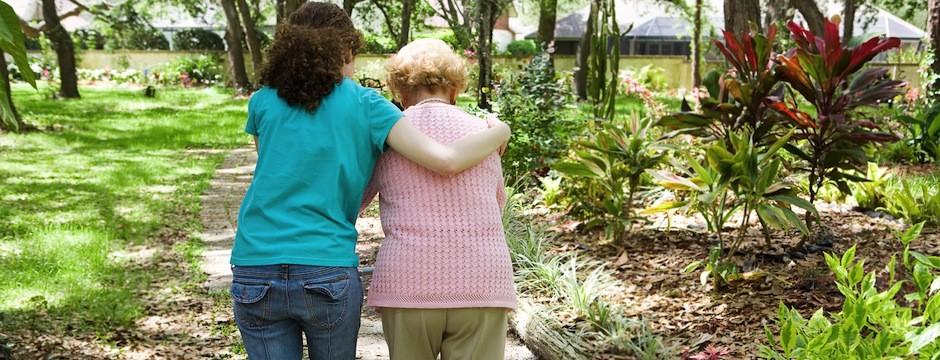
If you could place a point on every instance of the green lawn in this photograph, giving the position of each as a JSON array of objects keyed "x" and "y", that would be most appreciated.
[{"x": 103, "y": 174}]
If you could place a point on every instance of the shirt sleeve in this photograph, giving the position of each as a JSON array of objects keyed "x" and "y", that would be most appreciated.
[
  {"x": 382, "y": 115},
  {"x": 251, "y": 126}
]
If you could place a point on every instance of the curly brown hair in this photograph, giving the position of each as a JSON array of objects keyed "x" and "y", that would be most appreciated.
[{"x": 305, "y": 61}]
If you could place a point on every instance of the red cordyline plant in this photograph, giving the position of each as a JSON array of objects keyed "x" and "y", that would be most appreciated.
[
  {"x": 829, "y": 75},
  {"x": 737, "y": 98}
]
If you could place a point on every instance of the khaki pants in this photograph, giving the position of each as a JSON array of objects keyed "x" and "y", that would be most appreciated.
[{"x": 455, "y": 334}]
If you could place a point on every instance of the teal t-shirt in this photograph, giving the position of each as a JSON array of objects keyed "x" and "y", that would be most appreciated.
[{"x": 313, "y": 167}]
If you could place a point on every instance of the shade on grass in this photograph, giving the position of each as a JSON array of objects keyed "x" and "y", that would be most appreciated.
[{"x": 105, "y": 173}]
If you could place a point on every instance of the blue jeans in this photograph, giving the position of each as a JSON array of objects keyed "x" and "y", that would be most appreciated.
[{"x": 275, "y": 305}]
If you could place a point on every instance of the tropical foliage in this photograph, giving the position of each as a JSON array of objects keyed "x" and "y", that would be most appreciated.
[
  {"x": 830, "y": 76},
  {"x": 12, "y": 42},
  {"x": 739, "y": 97},
  {"x": 873, "y": 324},
  {"x": 611, "y": 164}
]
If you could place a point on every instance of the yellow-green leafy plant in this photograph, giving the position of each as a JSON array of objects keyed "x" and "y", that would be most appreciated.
[{"x": 872, "y": 323}]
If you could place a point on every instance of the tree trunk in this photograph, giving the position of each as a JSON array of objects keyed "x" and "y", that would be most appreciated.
[
  {"x": 584, "y": 52},
  {"x": 18, "y": 124},
  {"x": 810, "y": 11},
  {"x": 739, "y": 12},
  {"x": 251, "y": 36},
  {"x": 455, "y": 13},
  {"x": 776, "y": 11},
  {"x": 64, "y": 50},
  {"x": 486, "y": 10},
  {"x": 389, "y": 21},
  {"x": 279, "y": 11},
  {"x": 236, "y": 58},
  {"x": 543, "y": 334},
  {"x": 933, "y": 32},
  {"x": 697, "y": 45},
  {"x": 349, "y": 6},
  {"x": 286, "y": 7},
  {"x": 404, "y": 34},
  {"x": 848, "y": 22},
  {"x": 548, "y": 14}
]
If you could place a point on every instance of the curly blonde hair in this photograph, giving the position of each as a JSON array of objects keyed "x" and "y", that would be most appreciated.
[{"x": 428, "y": 64}]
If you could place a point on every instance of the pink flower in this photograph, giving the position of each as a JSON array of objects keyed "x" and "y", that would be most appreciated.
[
  {"x": 470, "y": 55},
  {"x": 912, "y": 94}
]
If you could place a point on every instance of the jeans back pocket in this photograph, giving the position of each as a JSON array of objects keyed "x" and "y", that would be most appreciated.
[
  {"x": 327, "y": 300},
  {"x": 252, "y": 306}
]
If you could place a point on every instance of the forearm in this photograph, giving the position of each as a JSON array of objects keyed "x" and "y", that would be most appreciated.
[
  {"x": 473, "y": 149},
  {"x": 445, "y": 159}
]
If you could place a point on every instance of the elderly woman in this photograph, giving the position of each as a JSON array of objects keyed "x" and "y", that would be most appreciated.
[{"x": 443, "y": 276}]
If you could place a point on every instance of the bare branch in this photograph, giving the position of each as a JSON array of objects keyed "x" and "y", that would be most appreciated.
[
  {"x": 30, "y": 31},
  {"x": 388, "y": 22}
]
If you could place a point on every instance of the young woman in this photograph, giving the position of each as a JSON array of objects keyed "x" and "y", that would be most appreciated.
[
  {"x": 443, "y": 276},
  {"x": 318, "y": 136}
]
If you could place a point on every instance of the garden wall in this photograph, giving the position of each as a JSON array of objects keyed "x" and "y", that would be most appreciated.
[{"x": 678, "y": 69}]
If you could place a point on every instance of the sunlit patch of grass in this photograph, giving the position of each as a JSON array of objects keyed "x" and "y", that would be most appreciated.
[
  {"x": 102, "y": 174},
  {"x": 53, "y": 259}
]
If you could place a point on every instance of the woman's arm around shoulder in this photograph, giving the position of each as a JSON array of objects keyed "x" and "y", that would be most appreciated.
[{"x": 447, "y": 159}]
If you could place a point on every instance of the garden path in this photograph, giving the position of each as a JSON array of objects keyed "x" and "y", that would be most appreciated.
[{"x": 220, "y": 205}]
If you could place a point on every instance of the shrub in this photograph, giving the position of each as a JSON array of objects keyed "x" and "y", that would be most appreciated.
[
  {"x": 913, "y": 201},
  {"x": 830, "y": 75},
  {"x": 377, "y": 44},
  {"x": 445, "y": 36},
  {"x": 32, "y": 43},
  {"x": 533, "y": 104},
  {"x": 88, "y": 39},
  {"x": 650, "y": 77},
  {"x": 199, "y": 70},
  {"x": 924, "y": 133},
  {"x": 609, "y": 167},
  {"x": 198, "y": 39},
  {"x": 872, "y": 323},
  {"x": 745, "y": 178},
  {"x": 137, "y": 39},
  {"x": 871, "y": 194},
  {"x": 522, "y": 48},
  {"x": 737, "y": 98},
  {"x": 150, "y": 40}
]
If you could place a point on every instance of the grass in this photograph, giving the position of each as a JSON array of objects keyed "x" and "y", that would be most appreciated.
[{"x": 104, "y": 174}]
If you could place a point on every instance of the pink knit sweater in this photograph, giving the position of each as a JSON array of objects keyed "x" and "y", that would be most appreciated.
[{"x": 444, "y": 243}]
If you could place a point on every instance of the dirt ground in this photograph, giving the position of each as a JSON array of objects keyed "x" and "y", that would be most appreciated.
[{"x": 649, "y": 264}]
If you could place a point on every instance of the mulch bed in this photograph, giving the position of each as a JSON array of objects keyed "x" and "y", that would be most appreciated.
[{"x": 649, "y": 262}]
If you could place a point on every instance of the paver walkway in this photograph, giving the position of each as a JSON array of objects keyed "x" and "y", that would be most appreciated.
[{"x": 219, "y": 213}]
